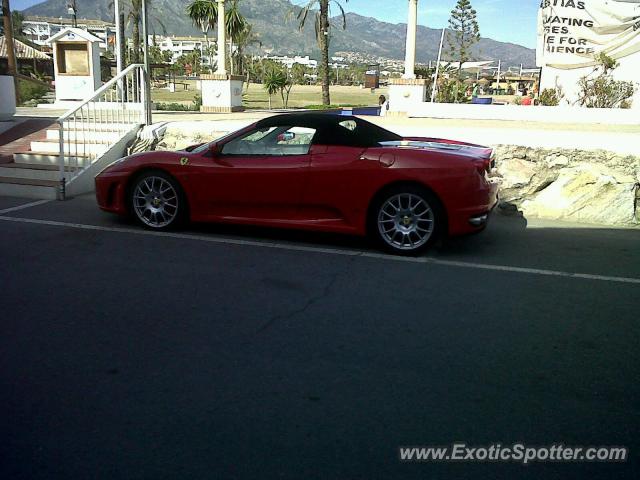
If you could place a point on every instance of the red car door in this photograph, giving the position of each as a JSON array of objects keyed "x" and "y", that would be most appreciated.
[
  {"x": 339, "y": 181},
  {"x": 259, "y": 176}
]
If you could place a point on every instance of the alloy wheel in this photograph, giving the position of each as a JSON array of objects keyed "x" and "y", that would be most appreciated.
[
  {"x": 405, "y": 221},
  {"x": 155, "y": 201}
]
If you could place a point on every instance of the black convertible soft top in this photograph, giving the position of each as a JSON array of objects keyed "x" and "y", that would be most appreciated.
[{"x": 331, "y": 129}]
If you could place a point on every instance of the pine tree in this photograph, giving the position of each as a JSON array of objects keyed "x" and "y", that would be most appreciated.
[{"x": 464, "y": 32}]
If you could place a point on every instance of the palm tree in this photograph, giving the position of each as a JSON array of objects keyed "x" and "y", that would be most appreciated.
[
  {"x": 243, "y": 39},
  {"x": 274, "y": 80},
  {"x": 204, "y": 15},
  {"x": 323, "y": 27},
  {"x": 235, "y": 24},
  {"x": 134, "y": 18}
]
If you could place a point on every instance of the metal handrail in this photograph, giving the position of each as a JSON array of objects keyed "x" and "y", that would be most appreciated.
[
  {"x": 101, "y": 90},
  {"x": 118, "y": 105}
]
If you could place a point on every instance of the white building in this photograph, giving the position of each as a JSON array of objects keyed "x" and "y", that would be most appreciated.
[
  {"x": 291, "y": 61},
  {"x": 179, "y": 46},
  {"x": 40, "y": 29}
]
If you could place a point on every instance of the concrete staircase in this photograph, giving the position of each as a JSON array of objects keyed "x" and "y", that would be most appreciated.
[
  {"x": 35, "y": 172},
  {"x": 95, "y": 133}
]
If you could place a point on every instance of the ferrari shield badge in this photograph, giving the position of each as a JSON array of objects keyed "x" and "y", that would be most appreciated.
[{"x": 184, "y": 161}]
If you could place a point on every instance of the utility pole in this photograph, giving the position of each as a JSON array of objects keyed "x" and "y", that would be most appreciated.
[
  {"x": 118, "y": 49},
  {"x": 435, "y": 80},
  {"x": 147, "y": 69},
  {"x": 410, "y": 49},
  {"x": 222, "y": 40},
  {"x": 72, "y": 9},
  {"x": 11, "y": 51}
]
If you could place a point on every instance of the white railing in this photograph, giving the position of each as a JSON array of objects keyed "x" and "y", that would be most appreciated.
[{"x": 87, "y": 131}]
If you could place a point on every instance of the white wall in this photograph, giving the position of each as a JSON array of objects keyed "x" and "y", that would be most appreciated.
[
  {"x": 8, "y": 97},
  {"x": 521, "y": 113},
  {"x": 220, "y": 94}
]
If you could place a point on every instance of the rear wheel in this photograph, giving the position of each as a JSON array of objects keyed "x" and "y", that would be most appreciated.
[
  {"x": 157, "y": 201},
  {"x": 406, "y": 220}
]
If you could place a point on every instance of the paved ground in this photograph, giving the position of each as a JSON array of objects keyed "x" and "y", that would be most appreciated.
[{"x": 233, "y": 353}]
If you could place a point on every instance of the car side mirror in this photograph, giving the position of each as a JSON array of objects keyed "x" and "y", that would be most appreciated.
[
  {"x": 215, "y": 149},
  {"x": 286, "y": 137},
  {"x": 191, "y": 148}
]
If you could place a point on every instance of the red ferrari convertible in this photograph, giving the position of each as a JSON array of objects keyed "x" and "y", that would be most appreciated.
[{"x": 311, "y": 171}]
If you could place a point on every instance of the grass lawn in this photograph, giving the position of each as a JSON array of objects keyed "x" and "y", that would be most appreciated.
[
  {"x": 305, "y": 95},
  {"x": 255, "y": 97}
]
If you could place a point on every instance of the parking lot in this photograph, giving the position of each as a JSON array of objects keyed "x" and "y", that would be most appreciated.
[{"x": 243, "y": 353}]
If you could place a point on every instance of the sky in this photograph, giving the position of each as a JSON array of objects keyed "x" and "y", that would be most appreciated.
[{"x": 504, "y": 20}]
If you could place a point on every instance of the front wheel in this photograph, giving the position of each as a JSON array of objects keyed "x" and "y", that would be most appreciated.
[
  {"x": 406, "y": 220},
  {"x": 157, "y": 201}
]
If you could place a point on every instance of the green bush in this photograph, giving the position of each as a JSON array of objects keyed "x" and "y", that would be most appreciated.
[
  {"x": 603, "y": 91},
  {"x": 332, "y": 107},
  {"x": 178, "y": 107},
  {"x": 197, "y": 102},
  {"x": 30, "y": 91},
  {"x": 550, "y": 97}
]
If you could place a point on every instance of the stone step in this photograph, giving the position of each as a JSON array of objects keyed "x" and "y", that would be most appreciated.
[
  {"x": 32, "y": 171},
  {"x": 89, "y": 135},
  {"x": 28, "y": 188},
  {"x": 53, "y": 146},
  {"x": 48, "y": 158},
  {"x": 101, "y": 125}
]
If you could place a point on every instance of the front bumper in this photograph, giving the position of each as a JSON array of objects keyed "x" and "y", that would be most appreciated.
[{"x": 110, "y": 192}]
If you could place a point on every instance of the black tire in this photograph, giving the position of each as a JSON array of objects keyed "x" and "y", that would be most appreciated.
[
  {"x": 406, "y": 219},
  {"x": 157, "y": 201}
]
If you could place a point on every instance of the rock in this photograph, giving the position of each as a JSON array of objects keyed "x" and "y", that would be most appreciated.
[
  {"x": 588, "y": 193},
  {"x": 515, "y": 176},
  {"x": 556, "y": 160},
  {"x": 593, "y": 186},
  {"x": 508, "y": 208}
]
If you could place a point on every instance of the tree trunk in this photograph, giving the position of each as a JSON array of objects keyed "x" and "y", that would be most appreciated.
[
  {"x": 205, "y": 49},
  {"x": 135, "y": 57},
  {"x": 123, "y": 43},
  {"x": 11, "y": 53},
  {"x": 323, "y": 43}
]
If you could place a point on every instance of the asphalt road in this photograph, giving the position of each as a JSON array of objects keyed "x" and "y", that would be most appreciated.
[{"x": 240, "y": 353}]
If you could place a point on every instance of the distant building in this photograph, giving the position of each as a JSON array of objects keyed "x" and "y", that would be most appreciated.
[
  {"x": 39, "y": 29},
  {"x": 179, "y": 46},
  {"x": 291, "y": 61}
]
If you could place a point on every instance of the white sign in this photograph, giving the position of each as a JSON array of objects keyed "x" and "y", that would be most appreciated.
[{"x": 572, "y": 32}]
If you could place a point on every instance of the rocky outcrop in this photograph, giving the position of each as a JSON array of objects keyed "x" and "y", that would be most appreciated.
[{"x": 575, "y": 185}]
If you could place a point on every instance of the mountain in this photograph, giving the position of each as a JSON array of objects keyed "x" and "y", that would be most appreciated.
[{"x": 280, "y": 36}]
